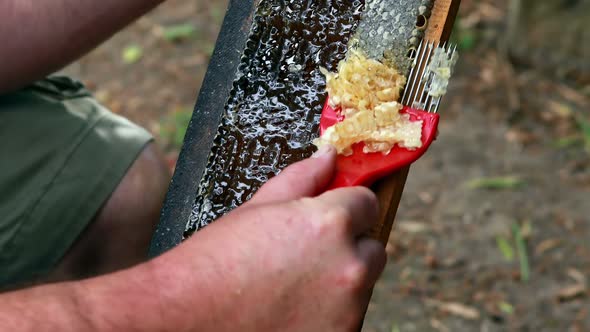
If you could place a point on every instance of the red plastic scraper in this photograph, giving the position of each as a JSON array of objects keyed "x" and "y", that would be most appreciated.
[{"x": 427, "y": 83}]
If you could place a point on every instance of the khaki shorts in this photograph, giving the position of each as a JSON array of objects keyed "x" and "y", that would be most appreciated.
[{"x": 61, "y": 156}]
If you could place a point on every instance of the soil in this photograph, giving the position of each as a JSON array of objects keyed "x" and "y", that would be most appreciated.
[{"x": 506, "y": 184}]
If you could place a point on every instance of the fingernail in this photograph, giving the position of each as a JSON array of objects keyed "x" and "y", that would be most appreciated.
[{"x": 323, "y": 151}]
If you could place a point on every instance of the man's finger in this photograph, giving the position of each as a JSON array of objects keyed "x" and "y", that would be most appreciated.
[
  {"x": 306, "y": 178},
  {"x": 358, "y": 205},
  {"x": 373, "y": 255}
]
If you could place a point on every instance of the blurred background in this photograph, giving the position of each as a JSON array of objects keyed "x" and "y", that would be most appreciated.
[{"x": 493, "y": 233}]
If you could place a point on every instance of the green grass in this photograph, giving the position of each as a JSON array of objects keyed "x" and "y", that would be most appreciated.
[
  {"x": 178, "y": 32},
  {"x": 523, "y": 258},
  {"x": 173, "y": 127},
  {"x": 505, "y": 248}
]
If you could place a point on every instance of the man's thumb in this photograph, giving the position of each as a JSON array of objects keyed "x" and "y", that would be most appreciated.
[{"x": 306, "y": 178}]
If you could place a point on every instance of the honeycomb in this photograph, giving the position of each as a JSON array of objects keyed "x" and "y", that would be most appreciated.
[
  {"x": 367, "y": 92},
  {"x": 389, "y": 29},
  {"x": 277, "y": 96},
  {"x": 276, "y": 101}
]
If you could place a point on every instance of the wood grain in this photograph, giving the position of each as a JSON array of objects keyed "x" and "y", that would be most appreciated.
[
  {"x": 390, "y": 189},
  {"x": 389, "y": 192},
  {"x": 442, "y": 19}
]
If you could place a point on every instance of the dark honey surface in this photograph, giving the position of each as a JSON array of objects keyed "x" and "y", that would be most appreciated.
[{"x": 275, "y": 104}]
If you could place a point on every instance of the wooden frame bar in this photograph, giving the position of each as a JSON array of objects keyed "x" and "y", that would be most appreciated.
[{"x": 390, "y": 189}]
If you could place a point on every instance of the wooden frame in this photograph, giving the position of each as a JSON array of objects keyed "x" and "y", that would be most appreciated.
[
  {"x": 390, "y": 189},
  {"x": 214, "y": 94}
]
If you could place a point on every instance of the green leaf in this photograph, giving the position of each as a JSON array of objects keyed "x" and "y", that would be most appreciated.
[
  {"x": 179, "y": 32},
  {"x": 505, "y": 248},
  {"x": 523, "y": 258},
  {"x": 505, "y": 182},
  {"x": 506, "y": 308},
  {"x": 395, "y": 328},
  {"x": 132, "y": 54},
  {"x": 467, "y": 40}
]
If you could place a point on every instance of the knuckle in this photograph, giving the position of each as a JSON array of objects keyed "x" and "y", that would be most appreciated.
[
  {"x": 306, "y": 204},
  {"x": 312, "y": 217},
  {"x": 339, "y": 214},
  {"x": 356, "y": 275},
  {"x": 304, "y": 207},
  {"x": 368, "y": 196},
  {"x": 337, "y": 217}
]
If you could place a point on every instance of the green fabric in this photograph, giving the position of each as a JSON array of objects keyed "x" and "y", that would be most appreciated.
[{"x": 61, "y": 156}]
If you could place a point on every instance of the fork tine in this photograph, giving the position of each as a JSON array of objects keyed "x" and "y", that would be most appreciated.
[
  {"x": 422, "y": 79},
  {"x": 411, "y": 77},
  {"x": 413, "y": 74},
  {"x": 425, "y": 78}
]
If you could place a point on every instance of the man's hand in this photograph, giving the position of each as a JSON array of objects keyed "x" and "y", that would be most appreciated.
[{"x": 288, "y": 260}]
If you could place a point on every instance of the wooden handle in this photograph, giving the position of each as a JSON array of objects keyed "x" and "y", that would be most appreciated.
[{"x": 389, "y": 191}]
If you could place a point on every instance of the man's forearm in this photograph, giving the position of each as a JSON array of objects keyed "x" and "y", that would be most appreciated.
[
  {"x": 164, "y": 294},
  {"x": 30, "y": 310},
  {"x": 132, "y": 300},
  {"x": 110, "y": 303},
  {"x": 40, "y": 37}
]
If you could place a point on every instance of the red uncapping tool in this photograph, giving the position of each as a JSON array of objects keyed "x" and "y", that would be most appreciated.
[{"x": 428, "y": 73}]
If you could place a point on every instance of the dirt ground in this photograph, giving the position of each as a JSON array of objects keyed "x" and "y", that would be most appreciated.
[{"x": 493, "y": 233}]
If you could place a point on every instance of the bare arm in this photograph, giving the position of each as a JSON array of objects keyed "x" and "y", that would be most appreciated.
[
  {"x": 286, "y": 261},
  {"x": 40, "y": 37},
  {"x": 81, "y": 306}
]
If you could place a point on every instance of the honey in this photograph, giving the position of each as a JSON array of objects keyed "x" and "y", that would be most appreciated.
[{"x": 366, "y": 92}]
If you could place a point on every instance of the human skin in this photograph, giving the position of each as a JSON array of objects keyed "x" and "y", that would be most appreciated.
[
  {"x": 292, "y": 259},
  {"x": 36, "y": 39},
  {"x": 40, "y": 37}
]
